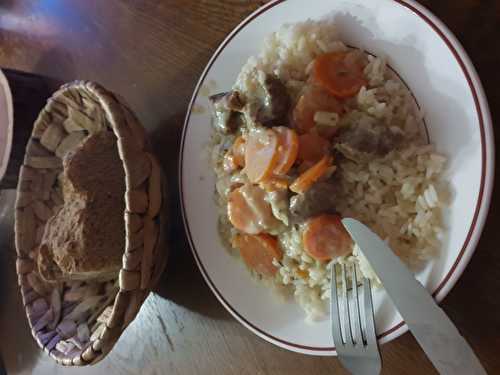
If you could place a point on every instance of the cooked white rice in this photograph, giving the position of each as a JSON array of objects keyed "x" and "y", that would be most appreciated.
[{"x": 399, "y": 195}]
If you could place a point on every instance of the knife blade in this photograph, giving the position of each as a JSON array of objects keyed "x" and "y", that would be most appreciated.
[{"x": 437, "y": 335}]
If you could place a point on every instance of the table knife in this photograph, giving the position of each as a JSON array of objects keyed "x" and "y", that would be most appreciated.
[{"x": 437, "y": 335}]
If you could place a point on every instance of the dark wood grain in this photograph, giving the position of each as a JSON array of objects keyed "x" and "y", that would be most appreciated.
[{"x": 152, "y": 53}]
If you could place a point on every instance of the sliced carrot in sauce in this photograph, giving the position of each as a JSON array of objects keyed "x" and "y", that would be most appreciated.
[
  {"x": 314, "y": 99},
  {"x": 313, "y": 174},
  {"x": 258, "y": 252},
  {"x": 240, "y": 213},
  {"x": 305, "y": 165},
  {"x": 238, "y": 151},
  {"x": 288, "y": 148},
  {"x": 339, "y": 74},
  {"x": 275, "y": 183},
  {"x": 325, "y": 238},
  {"x": 312, "y": 147},
  {"x": 261, "y": 154},
  {"x": 248, "y": 211}
]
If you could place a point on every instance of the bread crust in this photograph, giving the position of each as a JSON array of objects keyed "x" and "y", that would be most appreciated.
[{"x": 85, "y": 239}]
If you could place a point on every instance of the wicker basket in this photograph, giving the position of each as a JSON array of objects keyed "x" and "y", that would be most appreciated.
[{"x": 77, "y": 323}]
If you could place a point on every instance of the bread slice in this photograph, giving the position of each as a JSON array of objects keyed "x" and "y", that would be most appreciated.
[{"x": 86, "y": 238}]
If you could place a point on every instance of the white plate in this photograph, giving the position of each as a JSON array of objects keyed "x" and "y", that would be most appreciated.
[
  {"x": 439, "y": 73},
  {"x": 6, "y": 123}
]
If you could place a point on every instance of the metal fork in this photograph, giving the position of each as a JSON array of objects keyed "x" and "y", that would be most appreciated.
[{"x": 357, "y": 349}]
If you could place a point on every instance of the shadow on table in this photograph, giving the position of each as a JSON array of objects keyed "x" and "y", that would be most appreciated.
[
  {"x": 30, "y": 93},
  {"x": 181, "y": 282},
  {"x": 7, "y": 4}
]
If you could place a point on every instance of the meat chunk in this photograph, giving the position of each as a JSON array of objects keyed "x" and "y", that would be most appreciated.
[
  {"x": 230, "y": 100},
  {"x": 278, "y": 101},
  {"x": 372, "y": 141},
  {"x": 271, "y": 106},
  {"x": 267, "y": 105},
  {"x": 227, "y": 107},
  {"x": 319, "y": 199}
]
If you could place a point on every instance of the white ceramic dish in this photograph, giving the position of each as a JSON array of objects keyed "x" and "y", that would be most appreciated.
[
  {"x": 6, "y": 123},
  {"x": 441, "y": 76}
]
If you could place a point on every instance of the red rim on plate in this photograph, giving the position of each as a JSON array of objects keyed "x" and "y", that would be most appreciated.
[{"x": 485, "y": 189}]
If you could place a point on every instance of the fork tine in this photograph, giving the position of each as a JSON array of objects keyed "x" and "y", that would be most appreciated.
[
  {"x": 346, "y": 315},
  {"x": 334, "y": 310},
  {"x": 371, "y": 336},
  {"x": 358, "y": 332}
]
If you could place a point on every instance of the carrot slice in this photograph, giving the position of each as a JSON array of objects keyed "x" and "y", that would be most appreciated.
[
  {"x": 248, "y": 210},
  {"x": 275, "y": 183},
  {"x": 338, "y": 74},
  {"x": 314, "y": 99},
  {"x": 238, "y": 151},
  {"x": 325, "y": 238},
  {"x": 288, "y": 148},
  {"x": 258, "y": 252},
  {"x": 240, "y": 213},
  {"x": 312, "y": 147},
  {"x": 305, "y": 165},
  {"x": 309, "y": 177},
  {"x": 260, "y": 154},
  {"x": 303, "y": 115}
]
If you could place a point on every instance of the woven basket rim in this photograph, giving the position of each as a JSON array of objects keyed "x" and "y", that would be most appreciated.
[{"x": 134, "y": 286}]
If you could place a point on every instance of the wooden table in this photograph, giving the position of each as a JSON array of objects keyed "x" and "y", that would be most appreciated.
[{"x": 152, "y": 52}]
